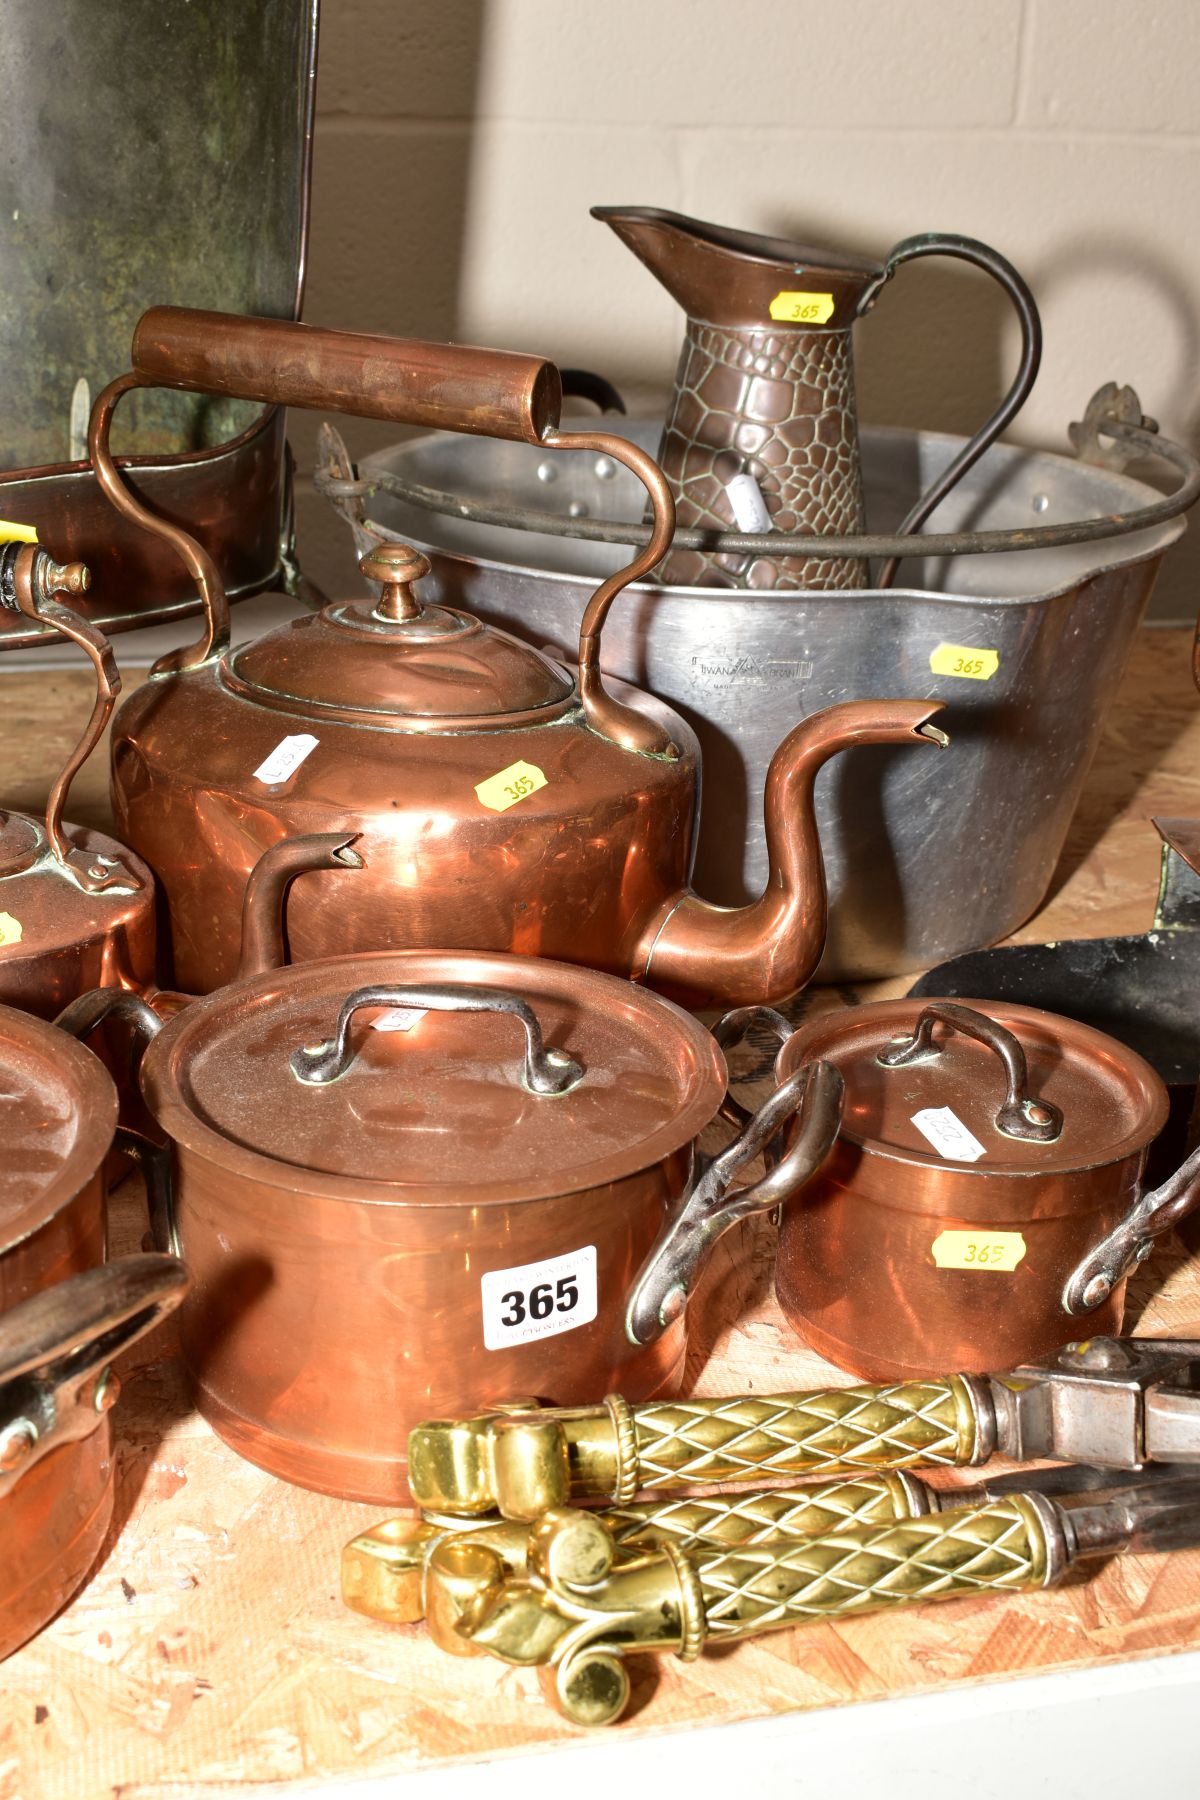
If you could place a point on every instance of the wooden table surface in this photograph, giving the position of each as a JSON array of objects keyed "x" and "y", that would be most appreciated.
[{"x": 211, "y": 1654}]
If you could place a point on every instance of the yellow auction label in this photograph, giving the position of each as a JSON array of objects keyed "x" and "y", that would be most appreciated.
[
  {"x": 964, "y": 660},
  {"x": 12, "y": 533},
  {"x": 517, "y": 782},
  {"x": 802, "y": 309},
  {"x": 1000, "y": 1251},
  {"x": 11, "y": 930}
]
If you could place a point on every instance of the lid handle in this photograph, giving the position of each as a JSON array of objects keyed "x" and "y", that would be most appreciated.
[
  {"x": 813, "y": 1095},
  {"x": 1034, "y": 1121},
  {"x": 544, "y": 1071}
]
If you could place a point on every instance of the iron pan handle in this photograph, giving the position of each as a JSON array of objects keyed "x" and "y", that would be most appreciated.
[{"x": 543, "y": 1072}]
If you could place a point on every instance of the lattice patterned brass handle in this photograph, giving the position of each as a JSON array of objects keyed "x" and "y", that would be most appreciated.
[
  {"x": 584, "y": 1603},
  {"x": 521, "y": 1463},
  {"x": 407, "y": 1569}
]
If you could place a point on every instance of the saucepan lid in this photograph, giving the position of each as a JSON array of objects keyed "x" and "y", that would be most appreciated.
[
  {"x": 982, "y": 1084},
  {"x": 434, "y": 1077},
  {"x": 58, "y": 1112}
]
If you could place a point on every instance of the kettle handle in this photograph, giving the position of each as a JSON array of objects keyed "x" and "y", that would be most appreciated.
[
  {"x": 1131, "y": 1240},
  {"x": 1034, "y": 1121},
  {"x": 544, "y": 1072},
  {"x": 663, "y": 1284},
  {"x": 30, "y": 581},
  {"x": 452, "y": 387},
  {"x": 971, "y": 250}
]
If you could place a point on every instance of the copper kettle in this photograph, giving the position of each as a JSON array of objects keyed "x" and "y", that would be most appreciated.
[
  {"x": 761, "y": 431},
  {"x": 502, "y": 801},
  {"x": 76, "y": 908}
]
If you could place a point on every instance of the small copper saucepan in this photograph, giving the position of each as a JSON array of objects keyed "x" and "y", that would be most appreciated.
[
  {"x": 983, "y": 1199},
  {"x": 413, "y": 1183},
  {"x": 63, "y": 1318}
]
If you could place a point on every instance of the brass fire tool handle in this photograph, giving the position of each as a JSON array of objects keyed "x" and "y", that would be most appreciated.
[
  {"x": 402, "y": 1570},
  {"x": 584, "y": 1603},
  {"x": 521, "y": 1463}
]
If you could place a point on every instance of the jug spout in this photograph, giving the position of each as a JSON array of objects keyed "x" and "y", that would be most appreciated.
[
  {"x": 761, "y": 431},
  {"x": 719, "y": 956}
]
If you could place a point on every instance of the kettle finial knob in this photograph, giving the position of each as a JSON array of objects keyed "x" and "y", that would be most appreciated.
[{"x": 396, "y": 567}]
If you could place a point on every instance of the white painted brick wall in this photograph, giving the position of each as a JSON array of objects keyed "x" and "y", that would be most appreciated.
[{"x": 460, "y": 144}]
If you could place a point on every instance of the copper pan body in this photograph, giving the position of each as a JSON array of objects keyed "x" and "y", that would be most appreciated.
[
  {"x": 53, "y": 1523},
  {"x": 856, "y": 1278},
  {"x": 330, "y": 1313}
]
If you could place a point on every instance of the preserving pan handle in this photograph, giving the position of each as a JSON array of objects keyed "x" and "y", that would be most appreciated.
[
  {"x": 664, "y": 1284},
  {"x": 1034, "y": 1121},
  {"x": 56, "y": 1347},
  {"x": 543, "y": 1072},
  {"x": 451, "y": 387},
  {"x": 1131, "y": 1241}
]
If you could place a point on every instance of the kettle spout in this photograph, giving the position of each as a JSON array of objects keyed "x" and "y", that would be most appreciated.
[
  {"x": 266, "y": 892},
  {"x": 710, "y": 956}
]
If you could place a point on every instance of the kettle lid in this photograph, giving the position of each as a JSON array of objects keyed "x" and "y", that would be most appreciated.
[
  {"x": 399, "y": 663},
  {"x": 434, "y": 1100}
]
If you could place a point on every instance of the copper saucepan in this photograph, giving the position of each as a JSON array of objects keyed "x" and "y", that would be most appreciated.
[
  {"x": 504, "y": 801},
  {"x": 409, "y": 1183},
  {"x": 62, "y": 1319},
  {"x": 982, "y": 1205}
]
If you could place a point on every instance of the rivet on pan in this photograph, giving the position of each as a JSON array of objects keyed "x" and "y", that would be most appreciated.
[
  {"x": 107, "y": 1390},
  {"x": 546, "y": 471},
  {"x": 16, "y": 1442}
]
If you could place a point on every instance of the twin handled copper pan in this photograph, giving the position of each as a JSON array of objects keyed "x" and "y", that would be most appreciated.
[
  {"x": 503, "y": 801},
  {"x": 64, "y": 1315},
  {"x": 980, "y": 1205},
  {"x": 983, "y": 1203},
  {"x": 414, "y": 1183}
]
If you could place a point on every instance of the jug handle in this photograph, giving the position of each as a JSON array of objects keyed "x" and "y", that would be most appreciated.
[
  {"x": 452, "y": 387},
  {"x": 663, "y": 1284},
  {"x": 1019, "y": 1116},
  {"x": 1132, "y": 1239},
  {"x": 971, "y": 250}
]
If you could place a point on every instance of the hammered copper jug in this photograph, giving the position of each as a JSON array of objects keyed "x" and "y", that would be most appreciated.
[
  {"x": 504, "y": 801},
  {"x": 761, "y": 431}
]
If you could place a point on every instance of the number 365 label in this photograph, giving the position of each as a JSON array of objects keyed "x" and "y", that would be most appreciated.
[{"x": 540, "y": 1299}]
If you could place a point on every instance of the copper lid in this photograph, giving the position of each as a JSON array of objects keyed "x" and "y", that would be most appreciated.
[
  {"x": 399, "y": 662},
  {"x": 440, "y": 1112},
  {"x": 1112, "y": 1102},
  {"x": 46, "y": 907},
  {"x": 58, "y": 1112}
]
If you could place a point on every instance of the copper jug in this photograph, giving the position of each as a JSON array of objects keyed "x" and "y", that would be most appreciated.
[
  {"x": 502, "y": 801},
  {"x": 76, "y": 908},
  {"x": 762, "y": 430}
]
